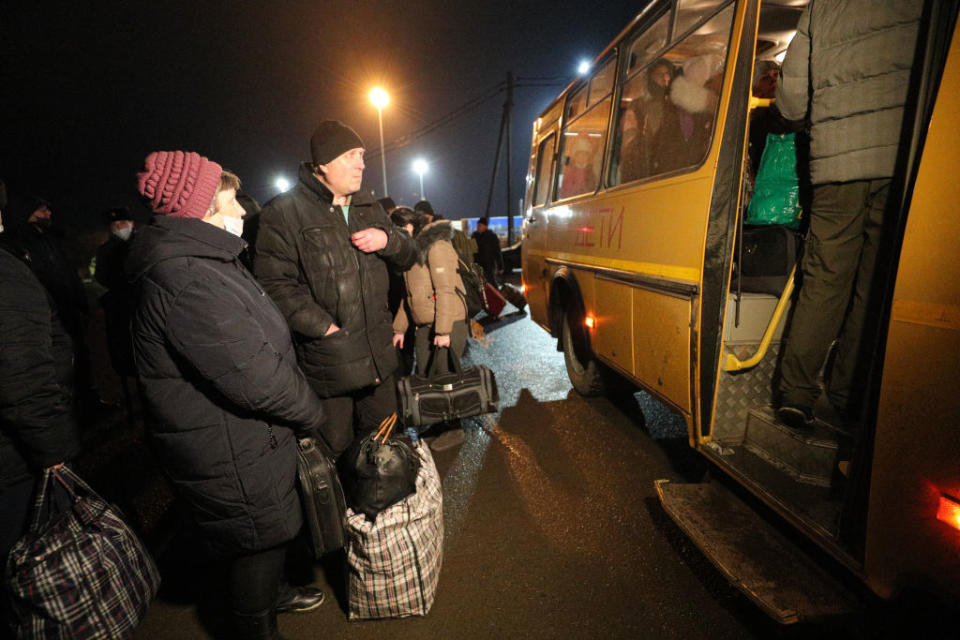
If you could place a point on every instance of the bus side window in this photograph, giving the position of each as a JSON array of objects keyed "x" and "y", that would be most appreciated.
[
  {"x": 544, "y": 169},
  {"x": 667, "y": 109},
  {"x": 582, "y": 144}
]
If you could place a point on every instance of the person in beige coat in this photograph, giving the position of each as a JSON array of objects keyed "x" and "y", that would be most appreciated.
[{"x": 433, "y": 300}]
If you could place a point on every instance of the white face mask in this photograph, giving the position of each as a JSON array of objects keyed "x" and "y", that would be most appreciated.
[
  {"x": 124, "y": 233},
  {"x": 233, "y": 225}
]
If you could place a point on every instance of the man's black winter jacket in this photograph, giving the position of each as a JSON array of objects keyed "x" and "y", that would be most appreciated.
[{"x": 308, "y": 265}]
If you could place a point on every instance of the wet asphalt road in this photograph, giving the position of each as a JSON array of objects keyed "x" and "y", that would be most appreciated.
[{"x": 553, "y": 528}]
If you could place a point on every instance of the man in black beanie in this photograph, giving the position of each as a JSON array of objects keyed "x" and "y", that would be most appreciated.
[{"x": 322, "y": 254}]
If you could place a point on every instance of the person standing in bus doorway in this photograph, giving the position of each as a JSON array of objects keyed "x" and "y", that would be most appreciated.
[
  {"x": 322, "y": 255},
  {"x": 848, "y": 78}
]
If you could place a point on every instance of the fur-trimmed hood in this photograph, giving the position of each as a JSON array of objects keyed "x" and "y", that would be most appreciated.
[{"x": 439, "y": 230}]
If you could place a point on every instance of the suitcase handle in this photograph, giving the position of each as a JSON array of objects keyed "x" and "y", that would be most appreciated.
[{"x": 435, "y": 361}]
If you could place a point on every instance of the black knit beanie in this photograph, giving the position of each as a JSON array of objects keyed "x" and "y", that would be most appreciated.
[{"x": 331, "y": 139}]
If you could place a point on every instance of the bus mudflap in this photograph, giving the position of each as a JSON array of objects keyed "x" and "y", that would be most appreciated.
[{"x": 769, "y": 569}]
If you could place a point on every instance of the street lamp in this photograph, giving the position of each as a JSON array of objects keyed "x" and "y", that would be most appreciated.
[
  {"x": 420, "y": 166},
  {"x": 380, "y": 99},
  {"x": 281, "y": 183}
]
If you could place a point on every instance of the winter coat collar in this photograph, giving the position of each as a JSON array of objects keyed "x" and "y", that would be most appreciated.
[
  {"x": 311, "y": 184},
  {"x": 168, "y": 237},
  {"x": 439, "y": 230}
]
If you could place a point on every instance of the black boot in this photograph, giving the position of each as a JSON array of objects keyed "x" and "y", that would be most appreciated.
[{"x": 257, "y": 626}]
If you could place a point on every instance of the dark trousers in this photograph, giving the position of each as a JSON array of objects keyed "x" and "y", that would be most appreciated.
[
  {"x": 254, "y": 580},
  {"x": 358, "y": 412},
  {"x": 424, "y": 345},
  {"x": 838, "y": 264}
]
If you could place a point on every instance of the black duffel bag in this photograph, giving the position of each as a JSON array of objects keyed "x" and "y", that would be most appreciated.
[
  {"x": 379, "y": 470},
  {"x": 443, "y": 397}
]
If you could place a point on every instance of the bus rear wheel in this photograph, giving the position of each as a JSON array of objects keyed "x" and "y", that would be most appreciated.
[{"x": 586, "y": 373}]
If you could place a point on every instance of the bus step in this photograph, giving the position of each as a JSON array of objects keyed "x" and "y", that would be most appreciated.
[
  {"x": 757, "y": 559},
  {"x": 808, "y": 457}
]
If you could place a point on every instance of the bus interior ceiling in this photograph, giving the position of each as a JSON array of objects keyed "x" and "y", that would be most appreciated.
[{"x": 794, "y": 469}]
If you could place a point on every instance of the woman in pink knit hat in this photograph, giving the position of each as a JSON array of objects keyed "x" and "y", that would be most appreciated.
[{"x": 220, "y": 377}]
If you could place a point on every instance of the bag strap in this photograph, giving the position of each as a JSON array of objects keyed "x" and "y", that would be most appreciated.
[
  {"x": 57, "y": 474},
  {"x": 443, "y": 354}
]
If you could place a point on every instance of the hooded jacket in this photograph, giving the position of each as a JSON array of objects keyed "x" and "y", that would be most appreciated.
[
  {"x": 37, "y": 425},
  {"x": 307, "y": 263},
  {"x": 434, "y": 290},
  {"x": 219, "y": 374},
  {"x": 848, "y": 71}
]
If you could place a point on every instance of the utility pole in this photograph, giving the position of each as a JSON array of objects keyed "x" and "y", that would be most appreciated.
[
  {"x": 504, "y": 128},
  {"x": 507, "y": 107}
]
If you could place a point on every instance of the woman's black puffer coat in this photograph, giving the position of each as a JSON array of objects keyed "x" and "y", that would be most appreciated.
[{"x": 219, "y": 373}]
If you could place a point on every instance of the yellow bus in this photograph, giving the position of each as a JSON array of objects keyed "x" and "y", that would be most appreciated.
[{"x": 639, "y": 263}]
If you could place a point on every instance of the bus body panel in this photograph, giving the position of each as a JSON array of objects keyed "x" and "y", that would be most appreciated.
[{"x": 917, "y": 447}]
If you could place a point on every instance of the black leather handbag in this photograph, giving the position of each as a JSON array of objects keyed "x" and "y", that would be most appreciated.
[
  {"x": 442, "y": 397},
  {"x": 321, "y": 494},
  {"x": 379, "y": 470}
]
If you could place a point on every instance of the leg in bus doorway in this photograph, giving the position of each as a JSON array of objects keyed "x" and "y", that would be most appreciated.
[
  {"x": 841, "y": 380},
  {"x": 831, "y": 260}
]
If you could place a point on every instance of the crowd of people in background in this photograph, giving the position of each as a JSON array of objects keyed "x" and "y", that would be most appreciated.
[{"x": 244, "y": 329}]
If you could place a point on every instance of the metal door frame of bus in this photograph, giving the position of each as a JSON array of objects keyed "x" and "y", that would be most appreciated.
[{"x": 722, "y": 220}]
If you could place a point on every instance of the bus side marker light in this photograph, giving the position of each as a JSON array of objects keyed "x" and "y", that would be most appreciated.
[
  {"x": 523, "y": 288},
  {"x": 949, "y": 511},
  {"x": 590, "y": 321}
]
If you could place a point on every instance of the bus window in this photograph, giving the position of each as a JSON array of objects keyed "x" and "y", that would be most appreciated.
[
  {"x": 544, "y": 169},
  {"x": 691, "y": 13},
  {"x": 666, "y": 110},
  {"x": 648, "y": 44},
  {"x": 576, "y": 104},
  {"x": 582, "y": 151},
  {"x": 602, "y": 83}
]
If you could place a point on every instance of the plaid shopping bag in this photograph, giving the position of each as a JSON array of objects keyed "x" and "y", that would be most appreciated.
[
  {"x": 81, "y": 573},
  {"x": 395, "y": 561}
]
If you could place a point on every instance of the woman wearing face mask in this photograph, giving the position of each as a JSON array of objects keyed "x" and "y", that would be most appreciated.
[{"x": 219, "y": 374}]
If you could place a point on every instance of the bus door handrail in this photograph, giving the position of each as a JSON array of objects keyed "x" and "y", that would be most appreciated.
[{"x": 732, "y": 362}]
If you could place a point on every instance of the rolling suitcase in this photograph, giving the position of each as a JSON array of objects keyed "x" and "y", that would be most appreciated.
[
  {"x": 513, "y": 296},
  {"x": 442, "y": 397},
  {"x": 495, "y": 302},
  {"x": 324, "y": 506}
]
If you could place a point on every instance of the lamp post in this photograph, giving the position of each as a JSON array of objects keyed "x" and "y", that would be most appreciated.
[
  {"x": 420, "y": 166},
  {"x": 380, "y": 99}
]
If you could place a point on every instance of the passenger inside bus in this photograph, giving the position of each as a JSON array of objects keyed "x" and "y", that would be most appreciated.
[
  {"x": 579, "y": 174},
  {"x": 642, "y": 120},
  {"x": 688, "y": 125}
]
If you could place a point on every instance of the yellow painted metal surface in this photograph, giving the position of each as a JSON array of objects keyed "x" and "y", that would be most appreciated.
[
  {"x": 662, "y": 348},
  {"x": 917, "y": 447},
  {"x": 612, "y": 337}
]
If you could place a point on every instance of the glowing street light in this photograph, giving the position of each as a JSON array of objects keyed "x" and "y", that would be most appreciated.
[
  {"x": 379, "y": 98},
  {"x": 583, "y": 68},
  {"x": 281, "y": 183},
  {"x": 420, "y": 166}
]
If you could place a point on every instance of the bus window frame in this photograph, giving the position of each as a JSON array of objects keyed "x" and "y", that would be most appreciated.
[
  {"x": 622, "y": 80},
  {"x": 549, "y": 181},
  {"x": 586, "y": 85}
]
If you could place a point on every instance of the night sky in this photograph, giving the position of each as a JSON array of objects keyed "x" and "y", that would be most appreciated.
[{"x": 90, "y": 88}]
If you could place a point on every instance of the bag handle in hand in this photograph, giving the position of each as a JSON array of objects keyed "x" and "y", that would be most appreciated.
[{"x": 443, "y": 354}]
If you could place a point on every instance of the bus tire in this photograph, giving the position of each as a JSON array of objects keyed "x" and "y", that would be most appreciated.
[{"x": 584, "y": 370}]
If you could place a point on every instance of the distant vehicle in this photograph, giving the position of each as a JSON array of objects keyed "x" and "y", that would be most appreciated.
[{"x": 634, "y": 263}]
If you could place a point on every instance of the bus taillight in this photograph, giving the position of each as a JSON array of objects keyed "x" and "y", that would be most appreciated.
[{"x": 949, "y": 511}]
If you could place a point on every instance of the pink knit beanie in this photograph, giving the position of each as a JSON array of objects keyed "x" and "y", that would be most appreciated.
[{"x": 179, "y": 183}]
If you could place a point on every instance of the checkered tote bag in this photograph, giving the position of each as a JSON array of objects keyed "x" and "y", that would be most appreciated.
[
  {"x": 395, "y": 560},
  {"x": 81, "y": 573}
]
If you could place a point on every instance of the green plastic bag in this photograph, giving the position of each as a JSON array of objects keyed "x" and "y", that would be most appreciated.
[{"x": 776, "y": 192}]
